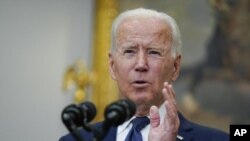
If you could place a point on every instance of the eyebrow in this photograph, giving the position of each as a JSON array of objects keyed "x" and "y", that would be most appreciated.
[{"x": 128, "y": 45}]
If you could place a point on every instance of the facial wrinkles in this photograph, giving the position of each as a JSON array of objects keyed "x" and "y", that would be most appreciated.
[
  {"x": 132, "y": 34},
  {"x": 145, "y": 43},
  {"x": 144, "y": 38}
]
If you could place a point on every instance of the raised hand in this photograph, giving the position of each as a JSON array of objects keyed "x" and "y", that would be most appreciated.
[{"x": 167, "y": 131}]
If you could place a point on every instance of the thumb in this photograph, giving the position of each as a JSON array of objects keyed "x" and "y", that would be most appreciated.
[{"x": 154, "y": 117}]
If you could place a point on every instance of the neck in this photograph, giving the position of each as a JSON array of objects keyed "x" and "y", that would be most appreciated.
[{"x": 142, "y": 109}]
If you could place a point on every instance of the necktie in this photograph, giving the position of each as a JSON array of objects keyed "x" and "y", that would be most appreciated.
[{"x": 135, "y": 132}]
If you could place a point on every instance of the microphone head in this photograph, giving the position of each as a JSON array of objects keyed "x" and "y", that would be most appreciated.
[
  {"x": 118, "y": 112},
  {"x": 70, "y": 116},
  {"x": 129, "y": 106},
  {"x": 88, "y": 109},
  {"x": 78, "y": 114}
]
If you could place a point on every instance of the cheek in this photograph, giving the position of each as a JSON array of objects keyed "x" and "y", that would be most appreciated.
[
  {"x": 161, "y": 71},
  {"x": 123, "y": 68}
]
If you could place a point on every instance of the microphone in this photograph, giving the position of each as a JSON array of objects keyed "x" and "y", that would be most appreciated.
[
  {"x": 115, "y": 114},
  {"x": 74, "y": 116},
  {"x": 118, "y": 112}
]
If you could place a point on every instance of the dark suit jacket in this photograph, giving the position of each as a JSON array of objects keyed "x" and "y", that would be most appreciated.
[{"x": 188, "y": 130}]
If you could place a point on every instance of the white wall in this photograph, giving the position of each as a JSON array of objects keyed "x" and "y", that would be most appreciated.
[{"x": 38, "y": 40}]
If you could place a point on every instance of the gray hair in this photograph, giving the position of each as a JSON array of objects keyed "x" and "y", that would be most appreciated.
[{"x": 148, "y": 13}]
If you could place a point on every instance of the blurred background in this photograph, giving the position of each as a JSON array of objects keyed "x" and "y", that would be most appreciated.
[{"x": 54, "y": 53}]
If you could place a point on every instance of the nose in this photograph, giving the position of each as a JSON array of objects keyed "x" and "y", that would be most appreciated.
[{"x": 141, "y": 62}]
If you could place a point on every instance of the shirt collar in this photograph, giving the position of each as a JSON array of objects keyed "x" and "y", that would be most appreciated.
[
  {"x": 162, "y": 112},
  {"x": 126, "y": 124}
]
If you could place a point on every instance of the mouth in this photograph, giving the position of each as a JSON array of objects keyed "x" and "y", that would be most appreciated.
[{"x": 140, "y": 83}]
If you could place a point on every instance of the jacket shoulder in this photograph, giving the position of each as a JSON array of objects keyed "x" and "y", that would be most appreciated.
[
  {"x": 197, "y": 132},
  {"x": 86, "y": 135},
  {"x": 205, "y": 133}
]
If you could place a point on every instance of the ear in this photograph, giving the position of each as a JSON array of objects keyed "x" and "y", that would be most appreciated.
[
  {"x": 112, "y": 66},
  {"x": 176, "y": 68}
]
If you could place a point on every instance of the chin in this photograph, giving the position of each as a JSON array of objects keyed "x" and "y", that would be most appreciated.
[
  {"x": 139, "y": 97},
  {"x": 142, "y": 100},
  {"x": 142, "y": 108}
]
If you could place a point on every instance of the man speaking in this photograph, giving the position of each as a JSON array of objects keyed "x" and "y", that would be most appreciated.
[{"x": 144, "y": 60}]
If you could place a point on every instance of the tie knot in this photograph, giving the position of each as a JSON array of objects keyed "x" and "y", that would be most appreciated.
[{"x": 140, "y": 122}]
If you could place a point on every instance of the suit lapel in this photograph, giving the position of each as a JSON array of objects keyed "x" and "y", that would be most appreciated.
[
  {"x": 111, "y": 135},
  {"x": 185, "y": 130},
  {"x": 185, "y": 136}
]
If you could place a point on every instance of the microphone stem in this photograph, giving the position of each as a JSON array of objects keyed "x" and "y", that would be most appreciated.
[
  {"x": 72, "y": 128},
  {"x": 77, "y": 135}
]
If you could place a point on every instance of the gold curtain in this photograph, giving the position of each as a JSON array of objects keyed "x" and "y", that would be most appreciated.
[{"x": 104, "y": 90}]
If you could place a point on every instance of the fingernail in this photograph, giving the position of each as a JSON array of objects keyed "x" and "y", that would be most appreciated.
[
  {"x": 153, "y": 110},
  {"x": 164, "y": 90},
  {"x": 165, "y": 83}
]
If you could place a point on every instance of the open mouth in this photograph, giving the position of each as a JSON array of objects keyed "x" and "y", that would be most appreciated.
[{"x": 140, "y": 83}]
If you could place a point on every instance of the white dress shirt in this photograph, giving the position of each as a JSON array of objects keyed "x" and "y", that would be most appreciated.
[{"x": 123, "y": 129}]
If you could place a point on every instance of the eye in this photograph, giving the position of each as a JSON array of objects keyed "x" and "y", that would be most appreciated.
[
  {"x": 129, "y": 51},
  {"x": 154, "y": 52}
]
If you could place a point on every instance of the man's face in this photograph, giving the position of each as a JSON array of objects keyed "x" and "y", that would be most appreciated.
[{"x": 142, "y": 61}]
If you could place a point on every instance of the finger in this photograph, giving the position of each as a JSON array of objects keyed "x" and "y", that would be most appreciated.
[
  {"x": 171, "y": 110},
  {"x": 171, "y": 119},
  {"x": 154, "y": 117},
  {"x": 170, "y": 105},
  {"x": 169, "y": 88},
  {"x": 166, "y": 91},
  {"x": 172, "y": 90},
  {"x": 169, "y": 94}
]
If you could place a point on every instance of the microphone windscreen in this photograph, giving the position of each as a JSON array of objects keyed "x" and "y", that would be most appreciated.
[
  {"x": 120, "y": 111},
  {"x": 129, "y": 106},
  {"x": 88, "y": 109}
]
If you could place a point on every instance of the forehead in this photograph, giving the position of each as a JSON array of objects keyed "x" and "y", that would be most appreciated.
[{"x": 141, "y": 28}]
